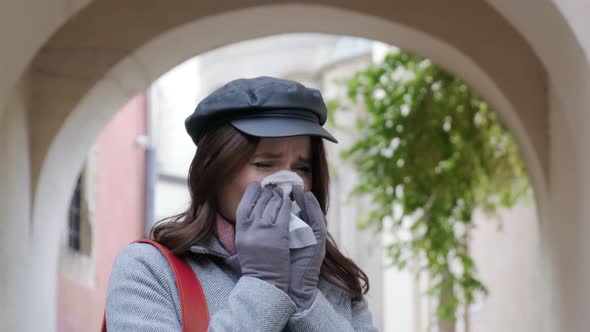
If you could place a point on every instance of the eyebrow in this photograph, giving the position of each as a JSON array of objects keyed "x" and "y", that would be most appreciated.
[{"x": 270, "y": 155}]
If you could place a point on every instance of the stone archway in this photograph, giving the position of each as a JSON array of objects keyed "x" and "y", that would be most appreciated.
[
  {"x": 99, "y": 58},
  {"x": 62, "y": 73}
]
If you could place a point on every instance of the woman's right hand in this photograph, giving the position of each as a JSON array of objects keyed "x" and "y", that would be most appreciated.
[{"x": 262, "y": 235}]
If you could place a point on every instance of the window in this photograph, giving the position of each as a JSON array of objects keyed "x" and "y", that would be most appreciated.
[
  {"x": 79, "y": 236},
  {"x": 77, "y": 257},
  {"x": 75, "y": 217}
]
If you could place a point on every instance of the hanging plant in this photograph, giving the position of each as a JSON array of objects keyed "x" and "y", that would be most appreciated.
[{"x": 432, "y": 147}]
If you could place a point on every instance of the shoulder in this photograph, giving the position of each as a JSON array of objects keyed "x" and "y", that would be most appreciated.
[
  {"x": 141, "y": 283},
  {"x": 141, "y": 262},
  {"x": 335, "y": 294},
  {"x": 139, "y": 253}
]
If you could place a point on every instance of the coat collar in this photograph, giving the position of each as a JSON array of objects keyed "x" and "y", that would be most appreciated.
[{"x": 211, "y": 247}]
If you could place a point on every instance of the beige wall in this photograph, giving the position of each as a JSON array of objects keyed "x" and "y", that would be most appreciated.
[
  {"x": 15, "y": 206},
  {"x": 115, "y": 190},
  {"x": 564, "y": 222},
  {"x": 508, "y": 261}
]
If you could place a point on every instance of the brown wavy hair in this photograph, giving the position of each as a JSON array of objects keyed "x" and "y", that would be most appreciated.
[{"x": 222, "y": 152}]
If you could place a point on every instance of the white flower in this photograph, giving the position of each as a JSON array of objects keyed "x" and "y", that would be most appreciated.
[
  {"x": 399, "y": 190},
  {"x": 389, "y": 190},
  {"x": 424, "y": 63},
  {"x": 447, "y": 124},
  {"x": 379, "y": 94},
  {"x": 478, "y": 119},
  {"x": 436, "y": 86},
  {"x": 387, "y": 152},
  {"x": 398, "y": 74},
  {"x": 394, "y": 144},
  {"x": 405, "y": 109}
]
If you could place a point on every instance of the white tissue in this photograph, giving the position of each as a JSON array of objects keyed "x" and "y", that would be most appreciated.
[{"x": 300, "y": 234}]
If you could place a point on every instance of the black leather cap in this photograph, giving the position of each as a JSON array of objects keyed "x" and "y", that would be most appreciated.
[{"x": 262, "y": 107}]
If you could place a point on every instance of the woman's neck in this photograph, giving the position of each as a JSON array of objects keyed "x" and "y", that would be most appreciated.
[{"x": 226, "y": 234}]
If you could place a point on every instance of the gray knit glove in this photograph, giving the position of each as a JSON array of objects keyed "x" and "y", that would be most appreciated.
[
  {"x": 262, "y": 242},
  {"x": 307, "y": 261}
]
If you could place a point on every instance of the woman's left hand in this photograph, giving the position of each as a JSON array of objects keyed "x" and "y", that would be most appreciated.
[{"x": 307, "y": 261}]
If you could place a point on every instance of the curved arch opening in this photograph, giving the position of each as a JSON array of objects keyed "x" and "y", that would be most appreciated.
[
  {"x": 139, "y": 68},
  {"x": 146, "y": 64}
]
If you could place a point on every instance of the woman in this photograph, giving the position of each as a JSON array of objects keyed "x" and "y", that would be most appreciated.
[{"x": 235, "y": 234}]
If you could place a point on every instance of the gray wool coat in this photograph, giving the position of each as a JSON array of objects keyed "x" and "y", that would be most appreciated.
[{"x": 142, "y": 296}]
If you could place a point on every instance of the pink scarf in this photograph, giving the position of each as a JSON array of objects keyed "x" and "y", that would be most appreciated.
[{"x": 226, "y": 234}]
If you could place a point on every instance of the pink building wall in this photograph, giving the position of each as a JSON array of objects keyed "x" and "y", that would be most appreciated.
[{"x": 119, "y": 206}]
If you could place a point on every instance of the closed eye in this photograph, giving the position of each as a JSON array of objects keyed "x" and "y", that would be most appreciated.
[{"x": 262, "y": 165}]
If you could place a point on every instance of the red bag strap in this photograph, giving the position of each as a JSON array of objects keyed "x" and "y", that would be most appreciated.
[{"x": 193, "y": 305}]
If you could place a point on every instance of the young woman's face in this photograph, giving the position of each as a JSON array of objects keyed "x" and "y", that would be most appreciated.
[{"x": 271, "y": 156}]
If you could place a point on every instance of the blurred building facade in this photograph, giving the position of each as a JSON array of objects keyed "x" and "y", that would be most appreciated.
[{"x": 106, "y": 212}]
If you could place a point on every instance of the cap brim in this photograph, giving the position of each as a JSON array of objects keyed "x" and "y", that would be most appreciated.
[{"x": 281, "y": 127}]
